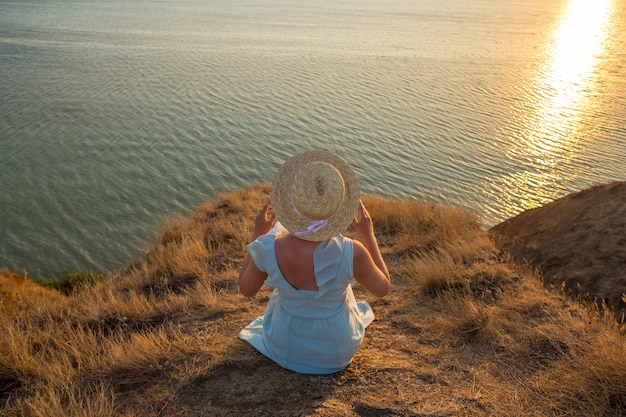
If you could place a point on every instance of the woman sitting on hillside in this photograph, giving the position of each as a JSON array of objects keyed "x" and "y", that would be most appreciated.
[{"x": 312, "y": 322}]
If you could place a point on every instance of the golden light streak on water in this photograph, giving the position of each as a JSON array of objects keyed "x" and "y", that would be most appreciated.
[{"x": 558, "y": 104}]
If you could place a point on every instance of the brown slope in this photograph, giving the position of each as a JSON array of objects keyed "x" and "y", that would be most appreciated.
[{"x": 579, "y": 240}]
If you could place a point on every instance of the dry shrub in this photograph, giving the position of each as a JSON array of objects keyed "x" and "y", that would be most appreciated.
[
  {"x": 429, "y": 243},
  {"x": 54, "y": 400},
  {"x": 483, "y": 281},
  {"x": 35, "y": 352},
  {"x": 416, "y": 227},
  {"x": 569, "y": 359},
  {"x": 206, "y": 244},
  {"x": 591, "y": 380},
  {"x": 428, "y": 273}
]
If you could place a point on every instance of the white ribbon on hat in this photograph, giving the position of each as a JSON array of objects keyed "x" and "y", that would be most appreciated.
[{"x": 314, "y": 225}]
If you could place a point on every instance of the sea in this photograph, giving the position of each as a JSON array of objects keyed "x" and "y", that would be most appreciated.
[{"x": 117, "y": 115}]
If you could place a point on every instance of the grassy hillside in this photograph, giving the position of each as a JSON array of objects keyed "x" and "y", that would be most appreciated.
[{"x": 463, "y": 332}]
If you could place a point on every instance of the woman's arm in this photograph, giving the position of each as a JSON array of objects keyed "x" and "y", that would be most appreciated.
[
  {"x": 370, "y": 269},
  {"x": 251, "y": 278}
]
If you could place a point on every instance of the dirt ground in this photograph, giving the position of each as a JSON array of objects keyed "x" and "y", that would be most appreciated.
[
  {"x": 579, "y": 240},
  {"x": 400, "y": 370}
]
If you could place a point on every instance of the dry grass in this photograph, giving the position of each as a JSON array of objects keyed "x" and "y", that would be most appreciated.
[{"x": 462, "y": 333}]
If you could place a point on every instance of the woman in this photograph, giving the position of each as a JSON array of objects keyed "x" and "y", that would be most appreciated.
[{"x": 312, "y": 322}]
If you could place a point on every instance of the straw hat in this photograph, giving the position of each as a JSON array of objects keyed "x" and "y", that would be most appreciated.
[{"x": 315, "y": 195}]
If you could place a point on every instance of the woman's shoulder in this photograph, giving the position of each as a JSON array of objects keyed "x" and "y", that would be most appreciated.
[{"x": 336, "y": 244}]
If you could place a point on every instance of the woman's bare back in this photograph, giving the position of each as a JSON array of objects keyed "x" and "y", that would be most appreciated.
[{"x": 295, "y": 260}]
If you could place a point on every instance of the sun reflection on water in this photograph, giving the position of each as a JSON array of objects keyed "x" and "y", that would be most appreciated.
[{"x": 557, "y": 106}]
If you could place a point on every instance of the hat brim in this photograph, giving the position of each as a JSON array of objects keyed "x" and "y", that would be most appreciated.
[{"x": 282, "y": 203}]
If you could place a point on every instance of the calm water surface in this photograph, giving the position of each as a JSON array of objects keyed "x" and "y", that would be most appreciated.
[{"x": 115, "y": 115}]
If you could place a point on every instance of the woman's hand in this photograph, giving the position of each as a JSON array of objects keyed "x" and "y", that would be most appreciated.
[
  {"x": 363, "y": 223},
  {"x": 370, "y": 269},
  {"x": 264, "y": 221},
  {"x": 251, "y": 278}
]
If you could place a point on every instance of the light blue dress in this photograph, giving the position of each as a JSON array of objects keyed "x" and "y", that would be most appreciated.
[{"x": 310, "y": 332}]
